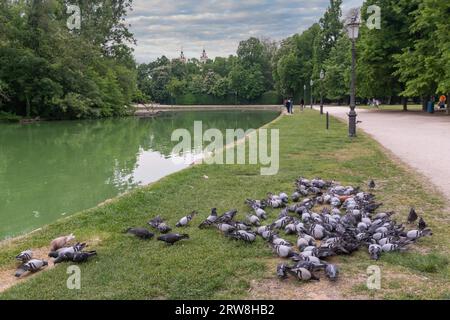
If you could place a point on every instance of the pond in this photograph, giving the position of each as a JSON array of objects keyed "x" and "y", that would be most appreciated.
[{"x": 50, "y": 170}]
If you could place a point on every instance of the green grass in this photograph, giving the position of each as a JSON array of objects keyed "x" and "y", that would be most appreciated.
[
  {"x": 427, "y": 263},
  {"x": 208, "y": 266}
]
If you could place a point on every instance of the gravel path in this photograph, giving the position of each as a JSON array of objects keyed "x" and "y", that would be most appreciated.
[{"x": 421, "y": 140}]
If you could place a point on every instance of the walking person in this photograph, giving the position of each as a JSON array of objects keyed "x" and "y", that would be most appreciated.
[
  {"x": 291, "y": 105},
  {"x": 287, "y": 105},
  {"x": 302, "y": 103}
]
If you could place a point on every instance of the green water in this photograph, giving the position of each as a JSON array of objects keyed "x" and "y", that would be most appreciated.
[{"x": 53, "y": 169}]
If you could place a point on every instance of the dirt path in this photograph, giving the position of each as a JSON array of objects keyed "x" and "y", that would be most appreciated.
[
  {"x": 420, "y": 140},
  {"x": 7, "y": 278}
]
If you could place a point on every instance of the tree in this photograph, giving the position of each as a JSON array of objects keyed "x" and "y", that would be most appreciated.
[
  {"x": 54, "y": 72},
  {"x": 160, "y": 77},
  {"x": 176, "y": 87},
  {"x": 337, "y": 69},
  {"x": 330, "y": 32},
  {"x": 247, "y": 83},
  {"x": 424, "y": 66},
  {"x": 377, "y": 48},
  {"x": 294, "y": 62},
  {"x": 251, "y": 52}
]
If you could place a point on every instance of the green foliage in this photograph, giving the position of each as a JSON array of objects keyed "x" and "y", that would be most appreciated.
[
  {"x": 338, "y": 70},
  {"x": 9, "y": 117},
  {"x": 424, "y": 66},
  {"x": 47, "y": 70},
  {"x": 294, "y": 62}
]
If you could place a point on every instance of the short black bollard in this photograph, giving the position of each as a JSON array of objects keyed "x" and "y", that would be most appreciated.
[{"x": 328, "y": 121}]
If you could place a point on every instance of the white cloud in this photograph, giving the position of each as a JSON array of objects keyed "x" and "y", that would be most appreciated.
[{"x": 166, "y": 26}]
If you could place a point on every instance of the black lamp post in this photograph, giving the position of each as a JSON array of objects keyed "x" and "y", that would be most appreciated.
[
  {"x": 353, "y": 25},
  {"x": 311, "y": 83},
  {"x": 322, "y": 76}
]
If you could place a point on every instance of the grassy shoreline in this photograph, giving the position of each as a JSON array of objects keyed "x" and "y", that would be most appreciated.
[{"x": 211, "y": 267}]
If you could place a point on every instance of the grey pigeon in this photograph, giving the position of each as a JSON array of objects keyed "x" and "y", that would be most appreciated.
[
  {"x": 25, "y": 256},
  {"x": 33, "y": 265},
  {"x": 332, "y": 272},
  {"x": 172, "y": 238},
  {"x": 80, "y": 257},
  {"x": 282, "y": 271},
  {"x": 185, "y": 220},
  {"x": 212, "y": 218},
  {"x": 375, "y": 251},
  {"x": 141, "y": 233},
  {"x": 302, "y": 274},
  {"x": 155, "y": 222}
]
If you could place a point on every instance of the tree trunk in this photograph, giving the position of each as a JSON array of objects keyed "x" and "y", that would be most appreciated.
[
  {"x": 405, "y": 103},
  {"x": 424, "y": 104},
  {"x": 28, "y": 108}
]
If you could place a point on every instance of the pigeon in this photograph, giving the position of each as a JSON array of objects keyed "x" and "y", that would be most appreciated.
[
  {"x": 225, "y": 227},
  {"x": 422, "y": 224},
  {"x": 296, "y": 197},
  {"x": 283, "y": 251},
  {"x": 242, "y": 235},
  {"x": 372, "y": 184},
  {"x": 254, "y": 220},
  {"x": 302, "y": 274},
  {"x": 210, "y": 220},
  {"x": 80, "y": 257},
  {"x": 412, "y": 217},
  {"x": 164, "y": 228},
  {"x": 60, "y": 242},
  {"x": 282, "y": 271},
  {"x": 375, "y": 251},
  {"x": 185, "y": 220},
  {"x": 155, "y": 222},
  {"x": 279, "y": 242},
  {"x": 260, "y": 213},
  {"x": 332, "y": 272},
  {"x": 141, "y": 233},
  {"x": 172, "y": 238},
  {"x": 417, "y": 234},
  {"x": 159, "y": 224},
  {"x": 25, "y": 256},
  {"x": 227, "y": 217},
  {"x": 284, "y": 197},
  {"x": 66, "y": 254},
  {"x": 33, "y": 265}
]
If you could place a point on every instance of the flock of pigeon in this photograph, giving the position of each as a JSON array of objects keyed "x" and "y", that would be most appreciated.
[
  {"x": 60, "y": 250},
  {"x": 328, "y": 219},
  {"x": 346, "y": 222}
]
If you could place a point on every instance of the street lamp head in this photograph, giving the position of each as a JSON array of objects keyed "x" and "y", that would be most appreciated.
[
  {"x": 311, "y": 82},
  {"x": 322, "y": 74},
  {"x": 304, "y": 87},
  {"x": 352, "y": 23}
]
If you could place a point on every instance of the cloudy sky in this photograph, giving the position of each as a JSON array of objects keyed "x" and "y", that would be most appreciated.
[{"x": 166, "y": 26}]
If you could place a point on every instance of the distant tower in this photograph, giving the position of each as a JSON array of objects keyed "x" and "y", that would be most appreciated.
[
  {"x": 182, "y": 56},
  {"x": 204, "y": 58}
]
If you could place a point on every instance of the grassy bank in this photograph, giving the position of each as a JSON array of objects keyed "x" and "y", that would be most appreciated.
[{"x": 208, "y": 265}]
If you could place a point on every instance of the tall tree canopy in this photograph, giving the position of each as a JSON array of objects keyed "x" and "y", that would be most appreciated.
[{"x": 54, "y": 71}]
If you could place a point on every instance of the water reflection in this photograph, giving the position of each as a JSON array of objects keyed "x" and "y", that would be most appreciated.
[{"x": 49, "y": 170}]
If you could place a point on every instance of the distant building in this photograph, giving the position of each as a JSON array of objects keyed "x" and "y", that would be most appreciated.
[
  {"x": 204, "y": 58},
  {"x": 182, "y": 57}
]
